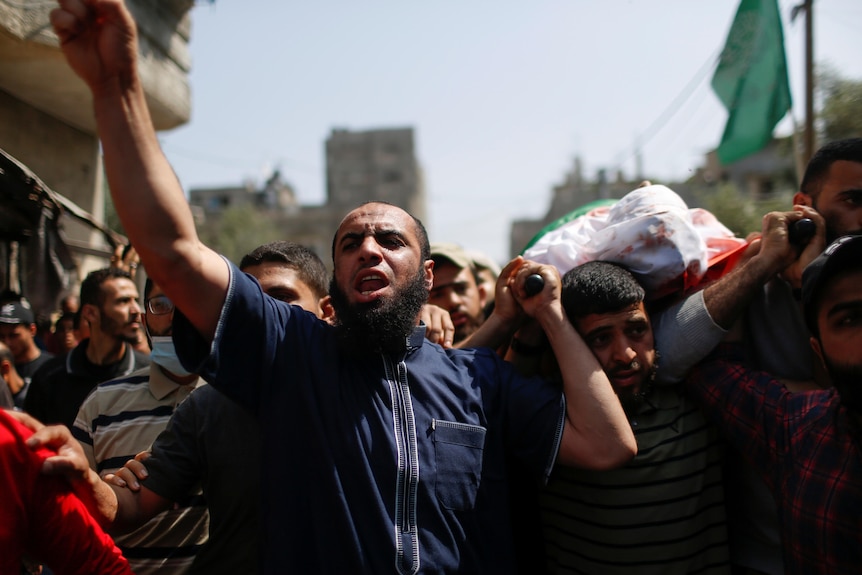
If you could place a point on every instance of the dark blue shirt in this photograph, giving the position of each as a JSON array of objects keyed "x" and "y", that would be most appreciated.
[{"x": 376, "y": 464}]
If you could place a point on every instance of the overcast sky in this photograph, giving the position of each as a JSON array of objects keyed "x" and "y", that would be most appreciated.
[{"x": 502, "y": 95}]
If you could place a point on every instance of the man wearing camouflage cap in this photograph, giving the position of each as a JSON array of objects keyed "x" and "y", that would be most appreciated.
[{"x": 457, "y": 289}]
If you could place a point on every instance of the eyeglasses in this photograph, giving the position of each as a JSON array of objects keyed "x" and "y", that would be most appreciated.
[{"x": 160, "y": 305}]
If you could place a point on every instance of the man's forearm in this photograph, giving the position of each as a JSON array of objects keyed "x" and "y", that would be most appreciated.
[
  {"x": 153, "y": 208},
  {"x": 684, "y": 334},
  {"x": 98, "y": 497},
  {"x": 597, "y": 433},
  {"x": 148, "y": 198},
  {"x": 117, "y": 509},
  {"x": 728, "y": 297}
]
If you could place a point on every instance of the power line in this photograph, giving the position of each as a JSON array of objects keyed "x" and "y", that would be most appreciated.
[{"x": 672, "y": 109}]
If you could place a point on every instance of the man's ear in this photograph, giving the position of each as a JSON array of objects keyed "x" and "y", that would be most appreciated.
[
  {"x": 483, "y": 294},
  {"x": 818, "y": 350},
  {"x": 5, "y": 369},
  {"x": 802, "y": 199},
  {"x": 90, "y": 313},
  {"x": 429, "y": 274},
  {"x": 327, "y": 312}
]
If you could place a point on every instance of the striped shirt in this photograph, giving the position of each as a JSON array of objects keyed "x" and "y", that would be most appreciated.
[
  {"x": 119, "y": 419},
  {"x": 661, "y": 513}
]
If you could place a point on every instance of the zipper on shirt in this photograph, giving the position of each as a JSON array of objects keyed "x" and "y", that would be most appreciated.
[{"x": 406, "y": 532}]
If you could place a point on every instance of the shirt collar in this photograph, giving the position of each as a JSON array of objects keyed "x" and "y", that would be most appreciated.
[
  {"x": 77, "y": 361},
  {"x": 416, "y": 339},
  {"x": 161, "y": 386}
]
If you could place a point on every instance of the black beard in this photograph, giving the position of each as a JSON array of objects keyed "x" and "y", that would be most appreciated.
[
  {"x": 847, "y": 380},
  {"x": 632, "y": 401},
  {"x": 832, "y": 229},
  {"x": 831, "y": 235},
  {"x": 109, "y": 326},
  {"x": 381, "y": 326}
]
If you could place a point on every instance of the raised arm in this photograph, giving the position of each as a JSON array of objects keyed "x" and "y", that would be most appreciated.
[
  {"x": 687, "y": 332},
  {"x": 99, "y": 40},
  {"x": 496, "y": 331},
  {"x": 597, "y": 434},
  {"x": 728, "y": 297}
]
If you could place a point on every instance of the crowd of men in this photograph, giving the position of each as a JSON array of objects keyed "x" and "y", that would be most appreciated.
[{"x": 421, "y": 410}]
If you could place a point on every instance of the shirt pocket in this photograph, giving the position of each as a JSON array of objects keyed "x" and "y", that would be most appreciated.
[{"x": 458, "y": 449}]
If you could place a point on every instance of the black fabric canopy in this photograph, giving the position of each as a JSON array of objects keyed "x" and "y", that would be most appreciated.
[{"x": 32, "y": 215}]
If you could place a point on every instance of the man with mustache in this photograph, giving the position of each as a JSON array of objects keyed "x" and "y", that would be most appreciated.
[
  {"x": 109, "y": 304},
  {"x": 831, "y": 196},
  {"x": 386, "y": 453},
  {"x": 663, "y": 512},
  {"x": 457, "y": 289},
  {"x": 804, "y": 445},
  {"x": 122, "y": 417}
]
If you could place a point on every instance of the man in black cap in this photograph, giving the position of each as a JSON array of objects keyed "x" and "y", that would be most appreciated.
[
  {"x": 18, "y": 332},
  {"x": 805, "y": 445}
]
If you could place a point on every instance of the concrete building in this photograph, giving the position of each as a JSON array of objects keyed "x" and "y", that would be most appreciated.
[
  {"x": 275, "y": 194},
  {"x": 46, "y": 113},
  {"x": 374, "y": 165},
  {"x": 759, "y": 175},
  {"x": 574, "y": 192},
  {"x": 360, "y": 166}
]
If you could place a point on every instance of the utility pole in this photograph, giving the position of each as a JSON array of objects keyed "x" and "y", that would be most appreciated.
[
  {"x": 808, "y": 149},
  {"x": 808, "y": 136}
]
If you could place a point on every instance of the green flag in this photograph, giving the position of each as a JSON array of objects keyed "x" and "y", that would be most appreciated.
[{"x": 751, "y": 79}]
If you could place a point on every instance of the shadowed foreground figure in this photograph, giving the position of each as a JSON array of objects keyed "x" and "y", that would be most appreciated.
[
  {"x": 42, "y": 518},
  {"x": 387, "y": 452}
]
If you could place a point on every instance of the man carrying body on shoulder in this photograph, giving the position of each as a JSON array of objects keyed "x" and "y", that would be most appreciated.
[
  {"x": 831, "y": 195},
  {"x": 831, "y": 186},
  {"x": 663, "y": 512},
  {"x": 109, "y": 305},
  {"x": 390, "y": 450},
  {"x": 18, "y": 332},
  {"x": 122, "y": 417},
  {"x": 804, "y": 445}
]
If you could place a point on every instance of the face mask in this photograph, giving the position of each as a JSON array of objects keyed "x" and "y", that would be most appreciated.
[{"x": 164, "y": 354}]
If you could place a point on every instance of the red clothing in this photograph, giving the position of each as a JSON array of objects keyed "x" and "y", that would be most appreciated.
[
  {"x": 806, "y": 448},
  {"x": 40, "y": 516}
]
